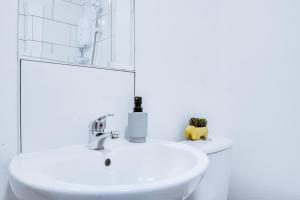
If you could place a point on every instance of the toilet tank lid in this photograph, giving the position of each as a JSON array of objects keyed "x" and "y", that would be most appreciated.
[{"x": 211, "y": 145}]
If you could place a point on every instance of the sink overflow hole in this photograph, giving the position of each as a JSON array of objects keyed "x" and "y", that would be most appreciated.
[{"x": 107, "y": 162}]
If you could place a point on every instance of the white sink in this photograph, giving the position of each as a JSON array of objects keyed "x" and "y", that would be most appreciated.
[{"x": 157, "y": 170}]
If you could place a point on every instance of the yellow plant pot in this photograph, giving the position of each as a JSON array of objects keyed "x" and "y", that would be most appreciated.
[{"x": 194, "y": 133}]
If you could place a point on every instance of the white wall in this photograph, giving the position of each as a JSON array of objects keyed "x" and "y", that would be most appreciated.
[
  {"x": 8, "y": 91},
  {"x": 236, "y": 63},
  {"x": 178, "y": 71},
  {"x": 260, "y": 50}
]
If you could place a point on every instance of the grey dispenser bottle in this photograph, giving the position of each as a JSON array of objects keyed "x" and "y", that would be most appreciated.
[{"x": 137, "y": 123}]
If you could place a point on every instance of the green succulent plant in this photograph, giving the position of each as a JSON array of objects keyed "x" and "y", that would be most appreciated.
[{"x": 198, "y": 122}]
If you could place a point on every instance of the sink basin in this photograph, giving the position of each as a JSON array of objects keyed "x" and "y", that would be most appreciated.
[{"x": 156, "y": 170}]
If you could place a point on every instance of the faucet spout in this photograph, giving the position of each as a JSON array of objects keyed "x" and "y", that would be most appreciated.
[{"x": 97, "y": 142}]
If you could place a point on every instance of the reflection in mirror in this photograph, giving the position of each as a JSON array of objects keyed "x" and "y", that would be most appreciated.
[{"x": 79, "y": 32}]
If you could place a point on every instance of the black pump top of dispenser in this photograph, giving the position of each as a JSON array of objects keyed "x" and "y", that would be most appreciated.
[{"x": 138, "y": 104}]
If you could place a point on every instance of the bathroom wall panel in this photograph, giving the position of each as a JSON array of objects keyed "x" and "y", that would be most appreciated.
[{"x": 59, "y": 102}]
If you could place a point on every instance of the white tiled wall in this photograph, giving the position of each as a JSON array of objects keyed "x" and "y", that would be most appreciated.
[
  {"x": 67, "y": 12},
  {"x": 48, "y": 29}
]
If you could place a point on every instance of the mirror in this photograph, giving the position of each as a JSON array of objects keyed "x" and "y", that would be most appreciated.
[{"x": 98, "y": 33}]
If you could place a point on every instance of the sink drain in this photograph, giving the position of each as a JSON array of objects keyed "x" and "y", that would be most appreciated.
[{"x": 107, "y": 162}]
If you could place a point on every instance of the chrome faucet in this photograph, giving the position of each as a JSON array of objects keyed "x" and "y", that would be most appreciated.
[{"x": 97, "y": 134}]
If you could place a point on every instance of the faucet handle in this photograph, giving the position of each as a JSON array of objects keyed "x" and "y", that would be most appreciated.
[
  {"x": 104, "y": 117},
  {"x": 98, "y": 126},
  {"x": 115, "y": 134}
]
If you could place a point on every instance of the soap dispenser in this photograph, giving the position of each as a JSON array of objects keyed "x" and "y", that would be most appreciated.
[{"x": 137, "y": 123}]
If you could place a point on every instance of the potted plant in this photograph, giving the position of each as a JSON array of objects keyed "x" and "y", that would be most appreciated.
[{"x": 197, "y": 129}]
